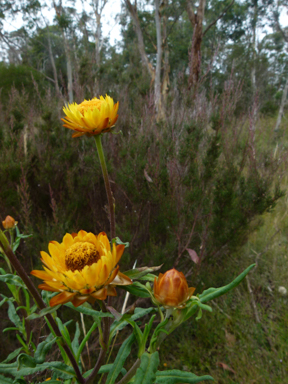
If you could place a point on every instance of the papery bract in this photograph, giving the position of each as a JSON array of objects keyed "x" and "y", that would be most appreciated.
[
  {"x": 171, "y": 289},
  {"x": 9, "y": 222}
]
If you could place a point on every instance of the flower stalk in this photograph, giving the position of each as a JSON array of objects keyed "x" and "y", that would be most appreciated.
[
  {"x": 107, "y": 186},
  {"x": 101, "y": 357},
  {"x": 4, "y": 244}
]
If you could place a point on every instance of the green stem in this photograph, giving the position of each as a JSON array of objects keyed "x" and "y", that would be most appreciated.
[
  {"x": 107, "y": 185},
  {"x": 84, "y": 341},
  {"x": 130, "y": 373},
  {"x": 101, "y": 357}
]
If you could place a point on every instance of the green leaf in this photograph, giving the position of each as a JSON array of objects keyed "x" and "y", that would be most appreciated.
[
  {"x": 20, "y": 381},
  {"x": 24, "y": 360},
  {"x": 43, "y": 348},
  {"x": 43, "y": 312},
  {"x": 51, "y": 382},
  {"x": 12, "y": 279},
  {"x": 146, "y": 333},
  {"x": 199, "y": 316},
  {"x": 204, "y": 307},
  {"x": 64, "y": 371},
  {"x": 137, "y": 273},
  {"x": 11, "y": 369},
  {"x": 136, "y": 289},
  {"x": 118, "y": 241},
  {"x": 64, "y": 331},
  {"x": 138, "y": 313},
  {"x": 84, "y": 341},
  {"x": 75, "y": 342},
  {"x": 148, "y": 277},
  {"x": 12, "y": 314},
  {"x": 105, "y": 369},
  {"x": 88, "y": 311},
  {"x": 10, "y": 329},
  {"x": 12, "y": 355},
  {"x": 175, "y": 376},
  {"x": 146, "y": 373},
  {"x": 121, "y": 357},
  {"x": 212, "y": 293},
  {"x": 5, "y": 380}
]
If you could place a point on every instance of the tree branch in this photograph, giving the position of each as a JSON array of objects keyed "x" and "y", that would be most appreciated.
[
  {"x": 219, "y": 17},
  {"x": 190, "y": 12}
]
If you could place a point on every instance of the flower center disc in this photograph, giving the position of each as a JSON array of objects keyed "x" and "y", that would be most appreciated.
[
  {"x": 79, "y": 255},
  {"x": 89, "y": 104}
]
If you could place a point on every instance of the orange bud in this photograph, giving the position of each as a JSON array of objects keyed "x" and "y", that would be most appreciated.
[
  {"x": 9, "y": 222},
  {"x": 171, "y": 289}
]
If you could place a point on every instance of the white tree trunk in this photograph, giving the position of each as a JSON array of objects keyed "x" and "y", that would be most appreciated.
[
  {"x": 157, "y": 84},
  {"x": 281, "y": 110},
  {"x": 253, "y": 71},
  {"x": 51, "y": 57},
  {"x": 145, "y": 60},
  {"x": 69, "y": 71}
]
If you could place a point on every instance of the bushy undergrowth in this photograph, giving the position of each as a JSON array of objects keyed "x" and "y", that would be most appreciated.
[{"x": 198, "y": 181}]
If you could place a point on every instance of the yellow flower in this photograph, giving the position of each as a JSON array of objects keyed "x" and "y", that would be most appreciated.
[
  {"x": 83, "y": 267},
  {"x": 171, "y": 289},
  {"x": 91, "y": 117},
  {"x": 9, "y": 223}
]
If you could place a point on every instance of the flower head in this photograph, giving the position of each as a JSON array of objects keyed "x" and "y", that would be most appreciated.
[
  {"x": 83, "y": 267},
  {"x": 91, "y": 117},
  {"x": 171, "y": 289},
  {"x": 9, "y": 222}
]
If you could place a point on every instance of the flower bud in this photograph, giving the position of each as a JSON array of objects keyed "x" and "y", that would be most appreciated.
[
  {"x": 171, "y": 289},
  {"x": 9, "y": 222}
]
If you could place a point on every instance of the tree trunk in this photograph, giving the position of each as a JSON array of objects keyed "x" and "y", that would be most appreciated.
[
  {"x": 98, "y": 11},
  {"x": 157, "y": 84},
  {"x": 281, "y": 110},
  {"x": 197, "y": 23},
  {"x": 51, "y": 57},
  {"x": 145, "y": 61},
  {"x": 67, "y": 54},
  {"x": 69, "y": 70},
  {"x": 253, "y": 70},
  {"x": 166, "y": 68}
]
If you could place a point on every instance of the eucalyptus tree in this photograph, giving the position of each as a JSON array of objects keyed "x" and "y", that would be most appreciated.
[{"x": 281, "y": 6}]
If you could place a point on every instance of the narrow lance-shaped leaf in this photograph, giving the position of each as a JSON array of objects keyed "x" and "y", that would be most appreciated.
[
  {"x": 212, "y": 293},
  {"x": 121, "y": 357},
  {"x": 43, "y": 348},
  {"x": 12, "y": 355},
  {"x": 5, "y": 380},
  {"x": 120, "y": 324},
  {"x": 146, "y": 373},
  {"x": 104, "y": 369},
  {"x": 43, "y": 312},
  {"x": 137, "y": 273},
  {"x": 88, "y": 311},
  {"x": 175, "y": 376},
  {"x": 75, "y": 342},
  {"x": 137, "y": 289}
]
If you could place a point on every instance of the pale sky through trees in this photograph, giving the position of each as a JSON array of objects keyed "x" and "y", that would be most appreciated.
[{"x": 110, "y": 25}]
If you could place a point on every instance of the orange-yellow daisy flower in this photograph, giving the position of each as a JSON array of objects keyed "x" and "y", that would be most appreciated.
[
  {"x": 83, "y": 267},
  {"x": 91, "y": 117}
]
